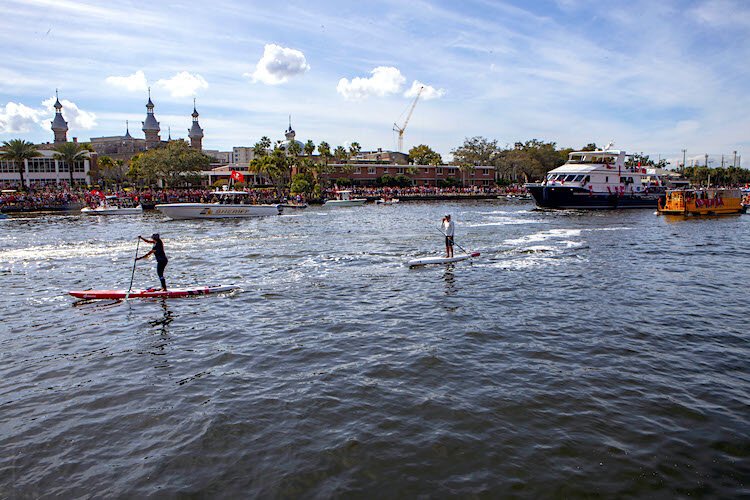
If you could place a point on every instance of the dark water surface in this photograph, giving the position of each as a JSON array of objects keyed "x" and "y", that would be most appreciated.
[{"x": 582, "y": 354}]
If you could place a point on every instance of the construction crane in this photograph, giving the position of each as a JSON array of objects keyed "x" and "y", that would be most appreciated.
[{"x": 401, "y": 129}]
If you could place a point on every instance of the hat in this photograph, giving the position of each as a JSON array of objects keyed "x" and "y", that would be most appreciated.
[
  {"x": 448, "y": 216},
  {"x": 155, "y": 236}
]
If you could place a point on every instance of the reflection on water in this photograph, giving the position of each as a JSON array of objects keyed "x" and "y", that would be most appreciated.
[{"x": 581, "y": 352}]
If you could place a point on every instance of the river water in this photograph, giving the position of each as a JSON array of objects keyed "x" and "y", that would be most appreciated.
[{"x": 583, "y": 353}]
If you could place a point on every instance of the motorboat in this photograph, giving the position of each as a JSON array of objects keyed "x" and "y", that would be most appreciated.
[
  {"x": 227, "y": 205},
  {"x": 598, "y": 179},
  {"x": 344, "y": 199},
  {"x": 113, "y": 205},
  {"x": 708, "y": 201}
]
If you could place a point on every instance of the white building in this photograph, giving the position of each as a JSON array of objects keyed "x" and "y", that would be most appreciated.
[{"x": 44, "y": 169}]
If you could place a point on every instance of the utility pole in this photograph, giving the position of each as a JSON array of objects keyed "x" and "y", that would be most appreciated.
[
  {"x": 684, "y": 158},
  {"x": 706, "y": 160}
]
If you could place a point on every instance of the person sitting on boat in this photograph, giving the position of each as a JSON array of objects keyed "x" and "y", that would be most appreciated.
[
  {"x": 448, "y": 230},
  {"x": 161, "y": 257}
]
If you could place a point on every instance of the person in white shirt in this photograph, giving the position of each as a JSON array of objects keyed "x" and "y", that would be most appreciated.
[{"x": 448, "y": 230}]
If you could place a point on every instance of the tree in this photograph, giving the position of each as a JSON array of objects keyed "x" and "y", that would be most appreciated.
[
  {"x": 71, "y": 153},
  {"x": 275, "y": 167},
  {"x": 309, "y": 147},
  {"x": 111, "y": 170},
  {"x": 340, "y": 154},
  {"x": 262, "y": 146},
  {"x": 293, "y": 148},
  {"x": 354, "y": 149},
  {"x": 475, "y": 151},
  {"x": 176, "y": 163},
  {"x": 18, "y": 151},
  {"x": 424, "y": 155},
  {"x": 302, "y": 184},
  {"x": 325, "y": 151},
  {"x": 589, "y": 147}
]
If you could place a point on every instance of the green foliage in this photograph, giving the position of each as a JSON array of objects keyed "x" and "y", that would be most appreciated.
[
  {"x": 424, "y": 155},
  {"x": 448, "y": 182},
  {"x": 309, "y": 147},
  {"x": 528, "y": 160},
  {"x": 340, "y": 154},
  {"x": 589, "y": 147},
  {"x": 325, "y": 150},
  {"x": 109, "y": 170},
  {"x": 302, "y": 184},
  {"x": 475, "y": 151},
  {"x": 276, "y": 167},
  {"x": 354, "y": 149},
  {"x": 343, "y": 181},
  {"x": 71, "y": 153},
  {"x": 220, "y": 182},
  {"x": 262, "y": 146},
  {"x": 175, "y": 164},
  {"x": 18, "y": 150}
]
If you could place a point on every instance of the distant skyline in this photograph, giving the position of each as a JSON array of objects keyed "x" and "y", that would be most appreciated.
[{"x": 655, "y": 77}]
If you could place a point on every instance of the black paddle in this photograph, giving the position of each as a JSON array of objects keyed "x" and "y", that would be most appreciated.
[
  {"x": 132, "y": 275},
  {"x": 459, "y": 246}
]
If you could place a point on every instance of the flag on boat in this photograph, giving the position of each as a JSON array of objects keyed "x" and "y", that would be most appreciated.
[
  {"x": 237, "y": 176},
  {"x": 97, "y": 193}
]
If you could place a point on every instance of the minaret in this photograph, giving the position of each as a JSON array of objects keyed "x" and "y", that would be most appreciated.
[
  {"x": 151, "y": 126},
  {"x": 290, "y": 133},
  {"x": 59, "y": 125},
  {"x": 127, "y": 131},
  {"x": 169, "y": 134},
  {"x": 196, "y": 132}
]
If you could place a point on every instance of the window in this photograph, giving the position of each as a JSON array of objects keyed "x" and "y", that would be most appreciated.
[
  {"x": 385, "y": 170},
  {"x": 569, "y": 178},
  {"x": 7, "y": 167},
  {"x": 62, "y": 166},
  {"x": 370, "y": 170},
  {"x": 485, "y": 182},
  {"x": 439, "y": 171},
  {"x": 578, "y": 178},
  {"x": 79, "y": 166},
  {"x": 399, "y": 170}
]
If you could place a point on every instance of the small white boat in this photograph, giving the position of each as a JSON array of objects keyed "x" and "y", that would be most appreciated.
[
  {"x": 387, "y": 201},
  {"x": 112, "y": 205},
  {"x": 345, "y": 200},
  {"x": 229, "y": 205},
  {"x": 424, "y": 261}
]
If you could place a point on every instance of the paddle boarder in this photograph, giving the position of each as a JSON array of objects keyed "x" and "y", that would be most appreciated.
[
  {"x": 448, "y": 229},
  {"x": 161, "y": 257}
]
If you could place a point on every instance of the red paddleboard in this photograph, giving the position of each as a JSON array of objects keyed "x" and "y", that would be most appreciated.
[{"x": 151, "y": 292}]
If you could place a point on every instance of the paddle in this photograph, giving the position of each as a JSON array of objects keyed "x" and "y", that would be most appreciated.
[
  {"x": 459, "y": 246},
  {"x": 132, "y": 275}
]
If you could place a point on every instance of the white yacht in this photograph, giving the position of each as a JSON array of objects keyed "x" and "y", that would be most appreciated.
[
  {"x": 344, "y": 199},
  {"x": 228, "y": 205},
  {"x": 598, "y": 179},
  {"x": 112, "y": 205}
]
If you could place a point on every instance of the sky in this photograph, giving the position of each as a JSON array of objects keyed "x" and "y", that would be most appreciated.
[{"x": 652, "y": 76}]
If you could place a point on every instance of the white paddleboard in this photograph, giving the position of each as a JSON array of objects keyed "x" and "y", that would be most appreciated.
[{"x": 440, "y": 260}]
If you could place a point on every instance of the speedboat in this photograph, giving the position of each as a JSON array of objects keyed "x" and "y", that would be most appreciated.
[
  {"x": 228, "y": 205},
  {"x": 598, "y": 179},
  {"x": 344, "y": 199},
  {"x": 112, "y": 205}
]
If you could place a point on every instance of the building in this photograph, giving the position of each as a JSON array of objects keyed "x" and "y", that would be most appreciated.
[
  {"x": 380, "y": 156},
  {"x": 195, "y": 133},
  {"x": 242, "y": 154},
  {"x": 45, "y": 170},
  {"x": 420, "y": 175},
  {"x": 118, "y": 147},
  {"x": 59, "y": 125},
  {"x": 151, "y": 126}
]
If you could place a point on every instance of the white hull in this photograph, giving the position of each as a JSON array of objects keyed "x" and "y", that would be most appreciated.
[
  {"x": 345, "y": 203},
  {"x": 112, "y": 210},
  {"x": 381, "y": 201},
  {"x": 440, "y": 260},
  {"x": 216, "y": 210}
]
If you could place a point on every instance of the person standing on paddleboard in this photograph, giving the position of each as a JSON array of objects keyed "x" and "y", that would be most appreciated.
[
  {"x": 161, "y": 257},
  {"x": 448, "y": 230}
]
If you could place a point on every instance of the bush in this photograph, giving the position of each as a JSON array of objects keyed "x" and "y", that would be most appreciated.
[
  {"x": 220, "y": 182},
  {"x": 344, "y": 181},
  {"x": 448, "y": 182}
]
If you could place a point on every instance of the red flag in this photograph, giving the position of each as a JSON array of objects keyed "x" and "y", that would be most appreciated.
[{"x": 237, "y": 176}]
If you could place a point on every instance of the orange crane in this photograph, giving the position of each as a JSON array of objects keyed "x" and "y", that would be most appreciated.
[{"x": 401, "y": 129}]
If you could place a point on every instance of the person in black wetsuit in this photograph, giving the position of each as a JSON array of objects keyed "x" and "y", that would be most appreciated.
[{"x": 161, "y": 257}]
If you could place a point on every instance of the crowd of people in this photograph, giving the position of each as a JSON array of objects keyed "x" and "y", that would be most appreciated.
[{"x": 64, "y": 197}]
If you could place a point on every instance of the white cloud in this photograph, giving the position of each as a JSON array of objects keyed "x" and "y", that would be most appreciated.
[
  {"x": 385, "y": 80},
  {"x": 19, "y": 118},
  {"x": 428, "y": 92},
  {"x": 183, "y": 84},
  {"x": 76, "y": 117},
  {"x": 132, "y": 83},
  {"x": 278, "y": 65}
]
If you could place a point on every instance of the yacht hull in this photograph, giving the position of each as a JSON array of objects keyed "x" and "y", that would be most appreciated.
[
  {"x": 216, "y": 210},
  {"x": 575, "y": 197}
]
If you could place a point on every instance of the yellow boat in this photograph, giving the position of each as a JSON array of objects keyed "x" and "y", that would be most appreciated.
[{"x": 708, "y": 201}]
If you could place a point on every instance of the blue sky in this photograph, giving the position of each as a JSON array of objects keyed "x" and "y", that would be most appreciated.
[{"x": 654, "y": 76}]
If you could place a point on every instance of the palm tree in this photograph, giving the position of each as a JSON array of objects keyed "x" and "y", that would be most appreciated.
[
  {"x": 325, "y": 151},
  {"x": 18, "y": 151},
  {"x": 340, "y": 154},
  {"x": 71, "y": 153},
  {"x": 309, "y": 147},
  {"x": 354, "y": 149}
]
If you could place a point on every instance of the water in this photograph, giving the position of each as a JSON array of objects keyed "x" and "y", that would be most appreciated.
[{"x": 582, "y": 354}]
